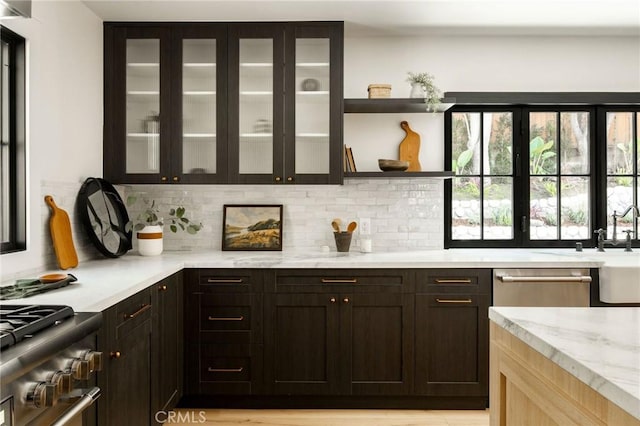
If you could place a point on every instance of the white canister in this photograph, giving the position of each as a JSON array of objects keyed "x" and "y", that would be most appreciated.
[
  {"x": 150, "y": 240},
  {"x": 365, "y": 245}
]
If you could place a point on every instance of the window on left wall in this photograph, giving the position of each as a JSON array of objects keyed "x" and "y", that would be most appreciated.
[{"x": 13, "y": 186}]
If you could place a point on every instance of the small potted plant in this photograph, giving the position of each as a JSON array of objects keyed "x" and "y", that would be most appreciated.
[
  {"x": 149, "y": 225},
  {"x": 422, "y": 86}
]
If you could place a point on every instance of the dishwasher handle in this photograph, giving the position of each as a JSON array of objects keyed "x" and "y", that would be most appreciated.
[
  {"x": 84, "y": 402},
  {"x": 556, "y": 279}
]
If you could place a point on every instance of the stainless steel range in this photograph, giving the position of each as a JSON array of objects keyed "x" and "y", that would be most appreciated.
[{"x": 48, "y": 361}]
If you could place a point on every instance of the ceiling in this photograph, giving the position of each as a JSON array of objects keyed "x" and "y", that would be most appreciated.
[{"x": 399, "y": 17}]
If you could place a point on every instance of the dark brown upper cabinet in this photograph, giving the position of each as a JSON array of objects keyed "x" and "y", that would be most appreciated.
[{"x": 223, "y": 103}]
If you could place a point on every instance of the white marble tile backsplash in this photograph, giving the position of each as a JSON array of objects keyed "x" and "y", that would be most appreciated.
[{"x": 406, "y": 214}]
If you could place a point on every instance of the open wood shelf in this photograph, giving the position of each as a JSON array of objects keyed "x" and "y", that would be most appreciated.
[
  {"x": 394, "y": 105},
  {"x": 385, "y": 175}
]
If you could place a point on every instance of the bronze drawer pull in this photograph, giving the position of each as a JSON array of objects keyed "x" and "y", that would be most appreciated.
[
  {"x": 144, "y": 307},
  {"x": 453, "y": 280},
  {"x": 224, "y": 280},
  {"x": 453, "y": 300},
  {"x": 240, "y": 318},
  {"x": 339, "y": 281},
  {"x": 225, "y": 370}
]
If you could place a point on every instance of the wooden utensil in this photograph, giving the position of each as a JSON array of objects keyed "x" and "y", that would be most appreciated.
[
  {"x": 335, "y": 223},
  {"x": 60, "y": 229},
  {"x": 352, "y": 227},
  {"x": 410, "y": 148}
]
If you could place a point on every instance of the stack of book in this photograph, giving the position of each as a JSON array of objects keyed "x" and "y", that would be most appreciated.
[{"x": 348, "y": 162}]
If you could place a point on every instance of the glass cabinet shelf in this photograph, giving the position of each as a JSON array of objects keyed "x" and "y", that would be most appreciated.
[
  {"x": 143, "y": 92},
  {"x": 256, "y": 93},
  {"x": 256, "y": 135},
  {"x": 199, "y": 135},
  {"x": 141, "y": 135},
  {"x": 199, "y": 92},
  {"x": 312, "y": 135}
]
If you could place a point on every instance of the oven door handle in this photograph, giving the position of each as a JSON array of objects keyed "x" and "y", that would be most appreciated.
[
  {"x": 564, "y": 279},
  {"x": 84, "y": 402}
]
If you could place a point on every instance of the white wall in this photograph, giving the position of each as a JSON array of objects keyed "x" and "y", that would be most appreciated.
[
  {"x": 473, "y": 64},
  {"x": 64, "y": 130}
]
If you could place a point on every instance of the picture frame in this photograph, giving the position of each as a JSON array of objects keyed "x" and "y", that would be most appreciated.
[{"x": 254, "y": 227}]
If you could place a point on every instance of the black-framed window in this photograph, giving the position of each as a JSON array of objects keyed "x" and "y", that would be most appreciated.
[
  {"x": 12, "y": 142},
  {"x": 540, "y": 176}
]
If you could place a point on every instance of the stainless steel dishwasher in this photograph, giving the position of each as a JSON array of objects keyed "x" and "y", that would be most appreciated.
[{"x": 541, "y": 287}]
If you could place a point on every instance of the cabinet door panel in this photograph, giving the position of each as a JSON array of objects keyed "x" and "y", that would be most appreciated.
[
  {"x": 302, "y": 343},
  {"x": 452, "y": 344},
  {"x": 381, "y": 342},
  {"x": 256, "y": 103},
  {"x": 128, "y": 398},
  {"x": 199, "y": 140},
  {"x": 137, "y": 104},
  {"x": 313, "y": 146}
]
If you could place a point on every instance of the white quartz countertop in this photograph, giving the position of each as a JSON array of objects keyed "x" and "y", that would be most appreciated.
[
  {"x": 599, "y": 346},
  {"x": 104, "y": 282}
]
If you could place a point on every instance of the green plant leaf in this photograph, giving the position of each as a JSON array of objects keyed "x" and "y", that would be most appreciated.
[
  {"x": 180, "y": 212},
  {"x": 131, "y": 200},
  {"x": 464, "y": 158},
  {"x": 172, "y": 212},
  {"x": 173, "y": 228}
]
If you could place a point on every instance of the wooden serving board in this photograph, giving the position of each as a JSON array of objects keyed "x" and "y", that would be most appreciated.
[
  {"x": 60, "y": 228},
  {"x": 410, "y": 148}
]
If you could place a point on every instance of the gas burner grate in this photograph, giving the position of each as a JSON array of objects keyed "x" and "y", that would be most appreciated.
[{"x": 20, "y": 321}]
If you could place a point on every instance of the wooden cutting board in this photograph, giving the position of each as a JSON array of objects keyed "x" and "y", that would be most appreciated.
[
  {"x": 60, "y": 228},
  {"x": 410, "y": 148}
]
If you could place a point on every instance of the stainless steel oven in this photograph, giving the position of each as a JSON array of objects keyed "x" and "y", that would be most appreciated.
[
  {"x": 541, "y": 287},
  {"x": 48, "y": 361}
]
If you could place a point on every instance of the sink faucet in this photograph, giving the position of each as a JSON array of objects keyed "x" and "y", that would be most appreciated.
[{"x": 614, "y": 239}]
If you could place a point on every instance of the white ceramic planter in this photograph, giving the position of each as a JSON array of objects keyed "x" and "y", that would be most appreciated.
[{"x": 150, "y": 240}]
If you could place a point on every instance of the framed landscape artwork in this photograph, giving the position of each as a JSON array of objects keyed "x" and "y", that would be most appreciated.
[{"x": 252, "y": 227}]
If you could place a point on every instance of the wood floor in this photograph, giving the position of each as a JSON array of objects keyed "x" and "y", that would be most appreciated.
[{"x": 218, "y": 417}]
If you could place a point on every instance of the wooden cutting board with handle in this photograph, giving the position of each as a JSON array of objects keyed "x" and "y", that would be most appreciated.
[
  {"x": 410, "y": 148},
  {"x": 60, "y": 228}
]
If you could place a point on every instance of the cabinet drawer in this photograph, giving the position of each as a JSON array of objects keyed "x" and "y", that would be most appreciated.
[
  {"x": 225, "y": 363},
  {"x": 132, "y": 312},
  {"x": 226, "y": 369},
  {"x": 354, "y": 281},
  {"x": 230, "y": 318},
  {"x": 453, "y": 281},
  {"x": 222, "y": 318},
  {"x": 229, "y": 281}
]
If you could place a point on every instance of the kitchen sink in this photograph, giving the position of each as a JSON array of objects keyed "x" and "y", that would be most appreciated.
[{"x": 619, "y": 276}]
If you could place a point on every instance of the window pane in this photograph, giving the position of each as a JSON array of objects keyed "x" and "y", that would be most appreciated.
[
  {"x": 574, "y": 209},
  {"x": 498, "y": 208},
  {"x": 542, "y": 143},
  {"x": 499, "y": 128},
  {"x": 465, "y": 211},
  {"x": 465, "y": 143},
  {"x": 543, "y": 208},
  {"x": 619, "y": 197},
  {"x": 638, "y": 145},
  {"x": 574, "y": 142},
  {"x": 5, "y": 149},
  {"x": 619, "y": 143}
]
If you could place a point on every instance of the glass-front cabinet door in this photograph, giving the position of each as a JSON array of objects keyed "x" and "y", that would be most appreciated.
[
  {"x": 314, "y": 109},
  {"x": 256, "y": 103},
  {"x": 285, "y": 103},
  {"x": 198, "y": 142},
  {"x": 165, "y": 98}
]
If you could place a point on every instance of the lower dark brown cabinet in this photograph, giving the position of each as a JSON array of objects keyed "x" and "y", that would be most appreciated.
[
  {"x": 338, "y": 343},
  {"x": 452, "y": 336}
]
